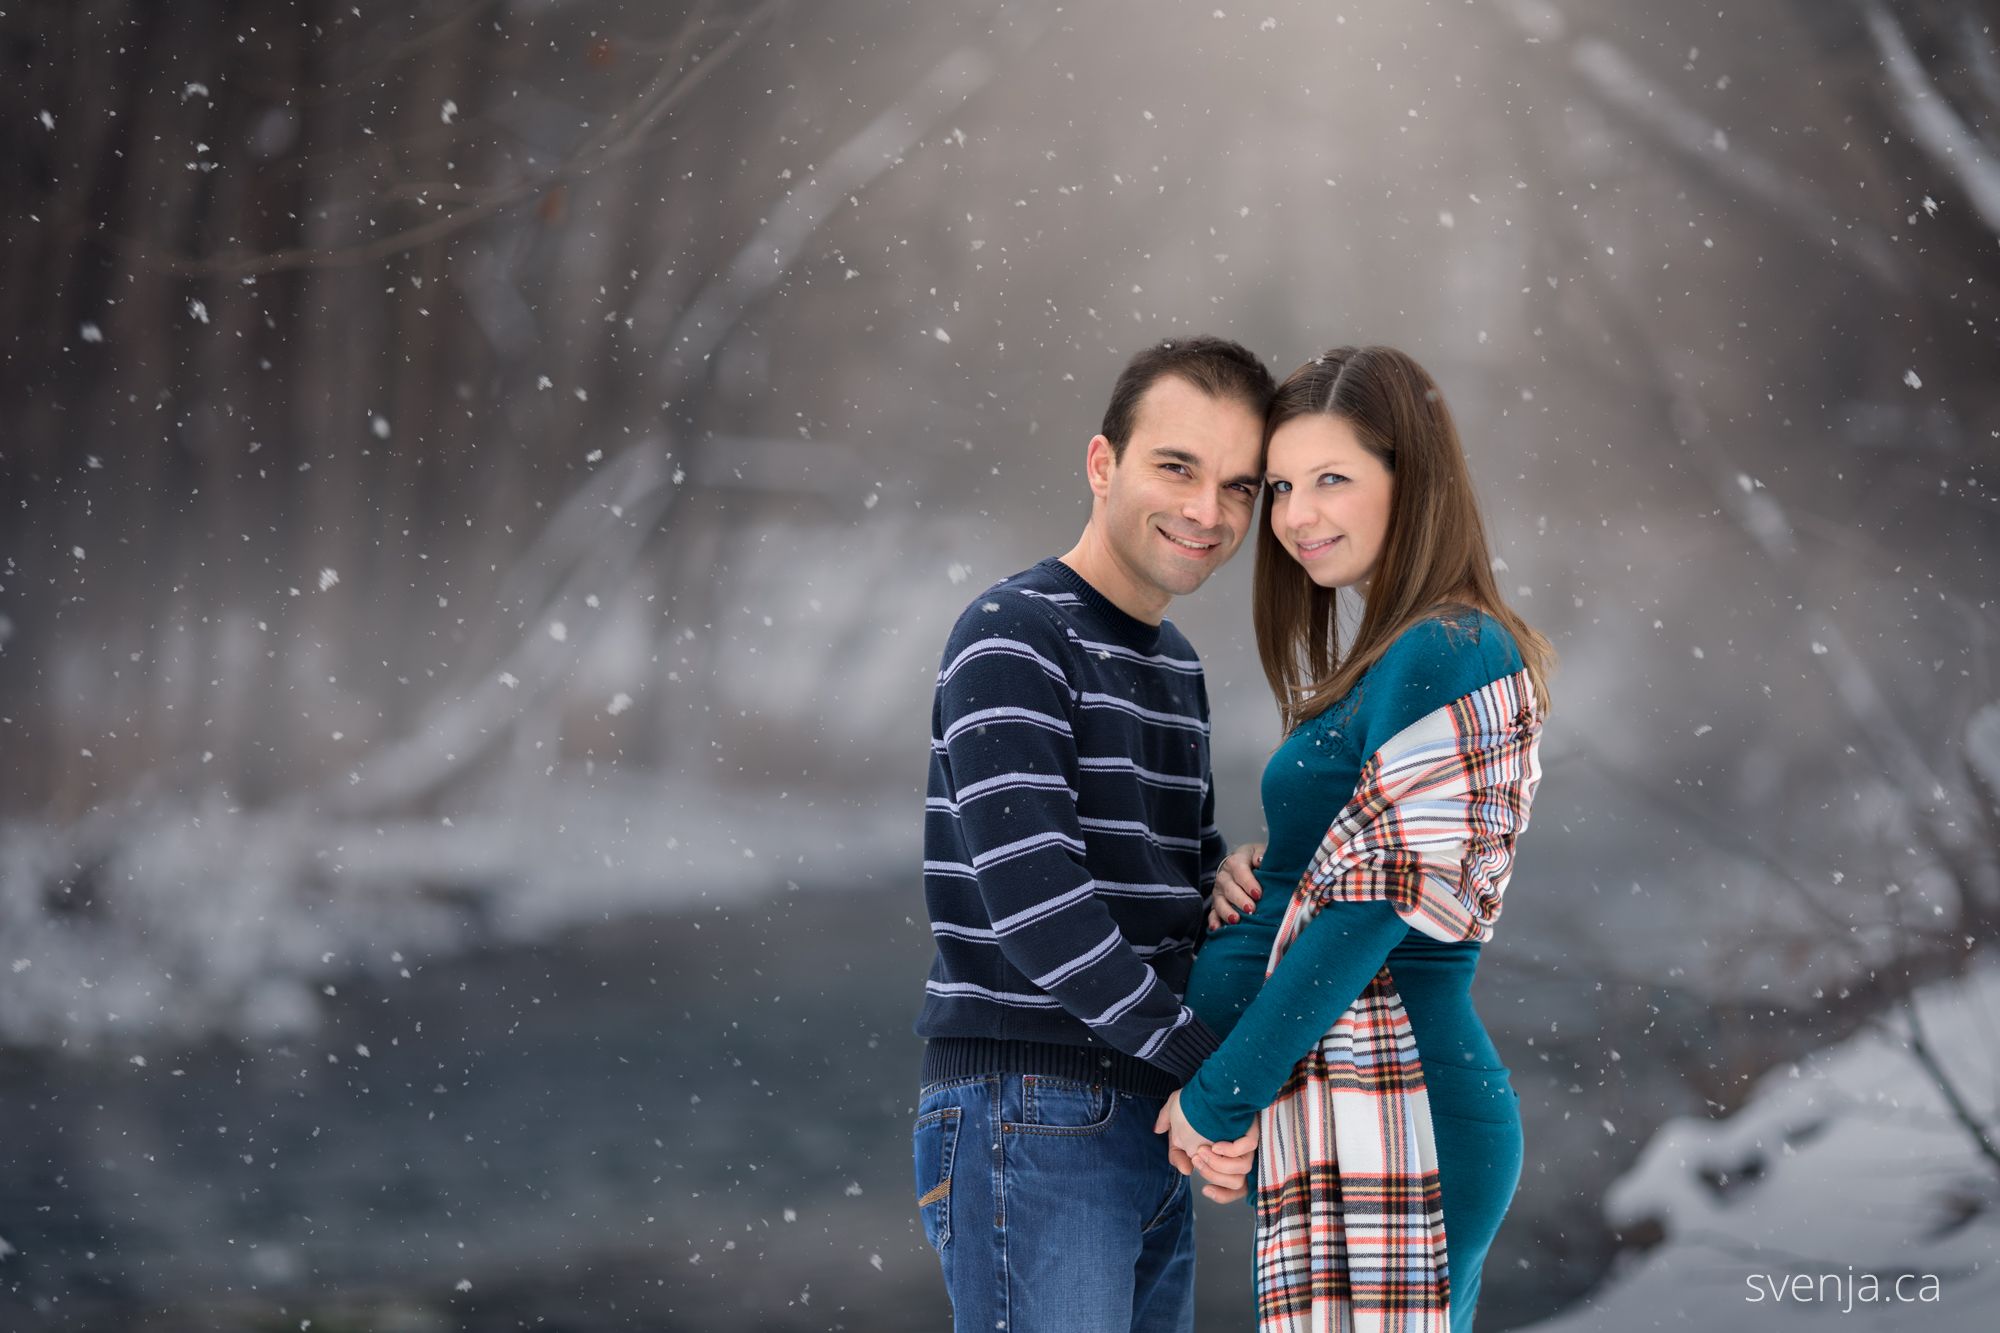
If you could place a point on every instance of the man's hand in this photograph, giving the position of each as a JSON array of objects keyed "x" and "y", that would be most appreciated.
[
  {"x": 1236, "y": 887},
  {"x": 1225, "y": 1166}
]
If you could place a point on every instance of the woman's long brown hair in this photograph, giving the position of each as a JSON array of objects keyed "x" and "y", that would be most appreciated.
[{"x": 1434, "y": 553}]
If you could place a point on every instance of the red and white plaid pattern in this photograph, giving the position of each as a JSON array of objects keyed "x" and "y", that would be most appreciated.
[{"x": 1350, "y": 1230}]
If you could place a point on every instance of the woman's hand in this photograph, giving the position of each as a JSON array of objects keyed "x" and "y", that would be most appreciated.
[
  {"x": 1224, "y": 1165},
  {"x": 1236, "y": 887}
]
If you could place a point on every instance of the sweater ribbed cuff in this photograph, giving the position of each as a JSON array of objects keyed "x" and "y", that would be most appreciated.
[{"x": 1184, "y": 1051}]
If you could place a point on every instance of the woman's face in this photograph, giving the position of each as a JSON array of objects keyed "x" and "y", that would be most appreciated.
[{"x": 1329, "y": 499}]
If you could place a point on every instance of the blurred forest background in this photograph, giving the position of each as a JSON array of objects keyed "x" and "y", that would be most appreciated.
[{"x": 483, "y": 485}]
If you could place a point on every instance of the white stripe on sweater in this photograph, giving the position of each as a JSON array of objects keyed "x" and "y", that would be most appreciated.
[
  {"x": 1182, "y": 664},
  {"x": 1159, "y": 1039},
  {"x": 1124, "y": 1006},
  {"x": 1051, "y": 979},
  {"x": 1120, "y": 890},
  {"x": 994, "y": 856},
  {"x": 1009, "y": 781},
  {"x": 988, "y": 717},
  {"x": 1120, "y": 764},
  {"x": 1013, "y": 998},
  {"x": 1027, "y": 916},
  {"x": 1092, "y": 699},
  {"x": 1007, "y": 648},
  {"x": 1133, "y": 828}
]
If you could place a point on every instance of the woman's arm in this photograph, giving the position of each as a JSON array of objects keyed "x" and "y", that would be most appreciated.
[{"x": 1319, "y": 978}]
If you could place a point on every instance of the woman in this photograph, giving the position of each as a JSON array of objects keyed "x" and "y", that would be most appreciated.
[{"x": 1407, "y": 767}]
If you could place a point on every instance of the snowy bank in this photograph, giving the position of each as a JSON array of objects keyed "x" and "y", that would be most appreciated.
[{"x": 1844, "y": 1185}]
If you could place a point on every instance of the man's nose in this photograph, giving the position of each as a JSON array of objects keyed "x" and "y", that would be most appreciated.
[{"x": 1204, "y": 510}]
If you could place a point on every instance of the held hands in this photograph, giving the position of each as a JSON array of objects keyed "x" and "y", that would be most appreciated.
[
  {"x": 1226, "y": 1166},
  {"x": 1236, "y": 886}
]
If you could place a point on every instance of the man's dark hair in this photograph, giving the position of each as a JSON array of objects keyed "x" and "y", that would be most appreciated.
[{"x": 1218, "y": 367}]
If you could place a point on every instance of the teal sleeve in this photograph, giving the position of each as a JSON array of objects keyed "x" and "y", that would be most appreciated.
[{"x": 1321, "y": 975}]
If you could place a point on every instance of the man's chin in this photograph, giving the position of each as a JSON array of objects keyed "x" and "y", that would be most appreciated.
[{"x": 1181, "y": 582}]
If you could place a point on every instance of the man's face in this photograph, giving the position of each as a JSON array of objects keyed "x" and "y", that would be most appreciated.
[{"x": 1178, "y": 504}]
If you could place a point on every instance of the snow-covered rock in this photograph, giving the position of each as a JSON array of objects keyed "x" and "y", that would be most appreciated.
[{"x": 1845, "y": 1186}]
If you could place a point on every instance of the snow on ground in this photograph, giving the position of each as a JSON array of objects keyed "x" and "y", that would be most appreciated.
[{"x": 1843, "y": 1189}]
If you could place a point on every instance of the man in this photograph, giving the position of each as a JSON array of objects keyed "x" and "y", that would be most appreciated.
[{"x": 1069, "y": 849}]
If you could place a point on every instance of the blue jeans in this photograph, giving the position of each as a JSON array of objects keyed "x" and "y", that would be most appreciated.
[{"x": 1052, "y": 1206}]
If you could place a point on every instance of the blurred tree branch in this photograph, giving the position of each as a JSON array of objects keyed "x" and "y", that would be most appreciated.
[{"x": 624, "y": 132}]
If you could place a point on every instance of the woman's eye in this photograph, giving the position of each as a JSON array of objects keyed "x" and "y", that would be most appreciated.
[
  {"x": 1327, "y": 478},
  {"x": 1280, "y": 487}
]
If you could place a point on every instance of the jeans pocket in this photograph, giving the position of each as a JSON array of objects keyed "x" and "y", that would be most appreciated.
[
  {"x": 1064, "y": 1106},
  {"x": 935, "y": 1143}
]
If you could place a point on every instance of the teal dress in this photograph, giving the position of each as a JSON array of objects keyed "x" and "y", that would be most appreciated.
[{"x": 1267, "y": 1027}]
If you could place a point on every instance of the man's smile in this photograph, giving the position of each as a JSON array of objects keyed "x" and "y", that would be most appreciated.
[{"x": 1188, "y": 543}]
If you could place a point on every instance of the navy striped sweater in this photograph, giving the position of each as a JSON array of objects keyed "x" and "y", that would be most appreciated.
[{"x": 1069, "y": 841}]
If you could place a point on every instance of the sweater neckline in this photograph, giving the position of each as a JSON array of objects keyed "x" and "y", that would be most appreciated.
[{"x": 1136, "y": 633}]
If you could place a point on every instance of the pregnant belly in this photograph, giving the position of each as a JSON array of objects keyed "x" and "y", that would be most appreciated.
[{"x": 1463, "y": 1072}]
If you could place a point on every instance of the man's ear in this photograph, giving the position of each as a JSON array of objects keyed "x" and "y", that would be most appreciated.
[{"x": 1098, "y": 462}]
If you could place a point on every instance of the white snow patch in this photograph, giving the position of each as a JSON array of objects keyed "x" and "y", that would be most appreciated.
[{"x": 1846, "y": 1169}]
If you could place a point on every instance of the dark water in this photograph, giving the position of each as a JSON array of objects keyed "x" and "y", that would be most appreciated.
[{"x": 677, "y": 1122}]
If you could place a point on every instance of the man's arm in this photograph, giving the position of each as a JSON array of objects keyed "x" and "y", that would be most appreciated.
[
  {"x": 1213, "y": 849},
  {"x": 1004, "y": 721}
]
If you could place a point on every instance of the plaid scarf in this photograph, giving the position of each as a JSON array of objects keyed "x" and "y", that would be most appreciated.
[{"x": 1350, "y": 1228}]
